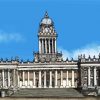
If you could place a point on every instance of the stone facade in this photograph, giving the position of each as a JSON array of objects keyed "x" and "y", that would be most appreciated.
[{"x": 48, "y": 69}]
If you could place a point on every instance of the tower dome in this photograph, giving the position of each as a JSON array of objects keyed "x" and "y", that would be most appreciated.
[{"x": 46, "y": 20}]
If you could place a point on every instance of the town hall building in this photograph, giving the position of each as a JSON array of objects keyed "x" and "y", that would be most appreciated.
[{"x": 48, "y": 72}]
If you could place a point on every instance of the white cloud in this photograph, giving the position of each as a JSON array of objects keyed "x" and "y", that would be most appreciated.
[
  {"x": 91, "y": 49},
  {"x": 10, "y": 37}
]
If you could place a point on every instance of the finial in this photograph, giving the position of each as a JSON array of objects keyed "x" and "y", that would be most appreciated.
[
  {"x": 12, "y": 59},
  {"x": 46, "y": 15},
  {"x": 21, "y": 60},
  {"x": 1, "y": 59},
  {"x": 79, "y": 57},
  {"x": 99, "y": 55},
  {"x": 6, "y": 59},
  {"x": 67, "y": 59},
  {"x": 72, "y": 59},
  {"x": 89, "y": 57},
  {"x": 83, "y": 55},
  {"x": 27, "y": 60},
  {"x": 94, "y": 56},
  {"x": 16, "y": 58}
]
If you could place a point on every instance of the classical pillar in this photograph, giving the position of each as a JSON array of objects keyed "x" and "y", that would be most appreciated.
[
  {"x": 95, "y": 74},
  {"x": 34, "y": 78},
  {"x": 8, "y": 78},
  {"x": 28, "y": 80},
  {"x": 39, "y": 46},
  {"x": 42, "y": 46},
  {"x": 67, "y": 81},
  {"x": 23, "y": 78},
  {"x": 89, "y": 76},
  {"x": 56, "y": 79},
  {"x": 49, "y": 46},
  {"x": 73, "y": 78},
  {"x": 3, "y": 79},
  {"x": 14, "y": 78},
  {"x": 55, "y": 46},
  {"x": 45, "y": 45},
  {"x": 61, "y": 76},
  {"x": 50, "y": 85},
  {"x": 18, "y": 79},
  {"x": 44, "y": 79},
  {"x": 52, "y": 46},
  {"x": 39, "y": 79}
]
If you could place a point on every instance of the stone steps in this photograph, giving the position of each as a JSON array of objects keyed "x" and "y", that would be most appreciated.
[{"x": 47, "y": 92}]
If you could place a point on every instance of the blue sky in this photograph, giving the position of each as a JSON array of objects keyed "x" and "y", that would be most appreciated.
[{"x": 77, "y": 23}]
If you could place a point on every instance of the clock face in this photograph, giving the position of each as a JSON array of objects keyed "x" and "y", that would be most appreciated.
[{"x": 46, "y": 30}]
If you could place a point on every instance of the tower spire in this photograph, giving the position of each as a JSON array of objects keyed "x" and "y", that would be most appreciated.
[{"x": 46, "y": 15}]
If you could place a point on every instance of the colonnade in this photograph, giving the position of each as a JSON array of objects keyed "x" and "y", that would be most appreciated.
[
  {"x": 9, "y": 79},
  {"x": 43, "y": 78},
  {"x": 47, "y": 45}
]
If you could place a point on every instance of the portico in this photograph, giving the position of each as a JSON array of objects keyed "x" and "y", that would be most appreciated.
[{"x": 47, "y": 78}]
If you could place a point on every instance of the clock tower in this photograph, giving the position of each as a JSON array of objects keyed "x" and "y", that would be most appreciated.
[{"x": 47, "y": 38}]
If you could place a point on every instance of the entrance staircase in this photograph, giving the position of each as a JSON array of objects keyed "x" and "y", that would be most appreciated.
[{"x": 46, "y": 93}]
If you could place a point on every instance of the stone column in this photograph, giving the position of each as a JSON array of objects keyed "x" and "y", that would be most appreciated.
[
  {"x": 14, "y": 78},
  {"x": 55, "y": 46},
  {"x": 23, "y": 78},
  {"x": 67, "y": 81},
  {"x": 49, "y": 46},
  {"x": 95, "y": 79},
  {"x": 18, "y": 79},
  {"x": 39, "y": 79},
  {"x": 73, "y": 78},
  {"x": 61, "y": 75},
  {"x": 89, "y": 76},
  {"x": 45, "y": 46},
  {"x": 3, "y": 78},
  {"x": 34, "y": 78},
  {"x": 28, "y": 80},
  {"x": 52, "y": 46},
  {"x": 39, "y": 46},
  {"x": 8, "y": 78},
  {"x": 44, "y": 79},
  {"x": 50, "y": 85},
  {"x": 56, "y": 79},
  {"x": 42, "y": 46}
]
